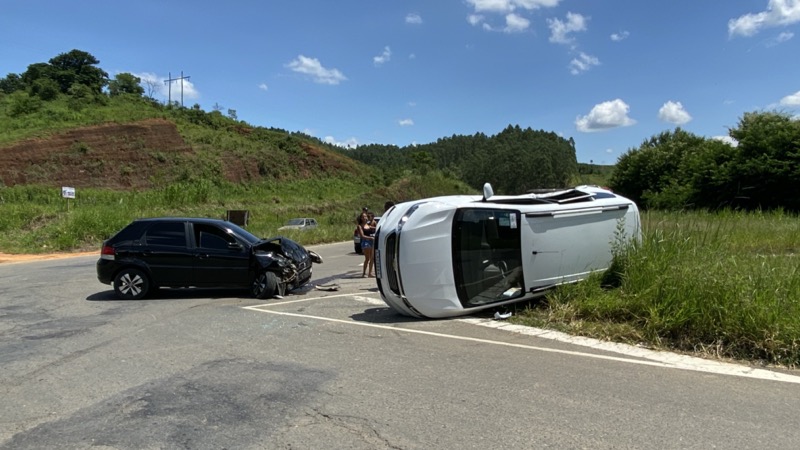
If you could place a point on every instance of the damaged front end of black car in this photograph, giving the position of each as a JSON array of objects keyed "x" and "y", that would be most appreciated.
[{"x": 281, "y": 266}]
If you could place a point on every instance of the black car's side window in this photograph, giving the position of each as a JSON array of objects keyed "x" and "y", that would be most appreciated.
[
  {"x": 211, "y": 237},
  {"x": 211, "y": 241},
  {"x": 171, "y": 234}
]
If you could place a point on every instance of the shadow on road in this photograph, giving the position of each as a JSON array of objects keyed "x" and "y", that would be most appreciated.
[{"x": 382, "y": 316}]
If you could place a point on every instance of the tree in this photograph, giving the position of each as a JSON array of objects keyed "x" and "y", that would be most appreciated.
[
  {"x": 125, "y": 83},
  {"x": 767, "y": 167},
  {"x": 11, "y": 83},
  {"x": 153, "y": 86},
  {"x": 77, "y": 66},
  {"x": 422, "y": 162},
  {"x": 81, "y": 96},
  {"x": 35, "y": 72},
  {"x": 45, "y": 88},
  {"x": 654, "y": 175}
]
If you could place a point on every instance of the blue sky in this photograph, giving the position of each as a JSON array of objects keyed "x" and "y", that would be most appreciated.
[{"x": 608, "y": 74}]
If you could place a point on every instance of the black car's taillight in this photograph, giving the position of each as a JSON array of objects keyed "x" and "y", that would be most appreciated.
[{"x": 107, "y": 252}]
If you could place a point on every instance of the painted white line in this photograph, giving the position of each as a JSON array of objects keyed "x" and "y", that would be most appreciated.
[
  {"x": 672, "y": 360},
  {"x": 449, "y": 336},
  {"x": 289, "y": 302},
  {"x": 648, "y": 357}
]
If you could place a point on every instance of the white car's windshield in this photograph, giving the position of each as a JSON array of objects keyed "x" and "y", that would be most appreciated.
[{"x": 296, "y": 222}]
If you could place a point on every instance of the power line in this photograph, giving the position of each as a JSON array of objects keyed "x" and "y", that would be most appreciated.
[{"x": 169, "y": 81}]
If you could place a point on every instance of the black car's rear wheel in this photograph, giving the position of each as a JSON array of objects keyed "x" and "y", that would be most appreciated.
[
  {"x": 357, "y": 248},
  {"x": 131, "y": 284},
  {"x": 265, "y": 285}
]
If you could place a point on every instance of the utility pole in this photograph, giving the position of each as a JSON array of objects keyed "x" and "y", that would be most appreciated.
[{"x": 169, "y": 81}]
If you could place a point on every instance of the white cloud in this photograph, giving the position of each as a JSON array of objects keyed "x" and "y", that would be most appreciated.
[
  {"x": 673, "y": 112},
  {"x": 583, "y": 63},
  {"x": 606, "y": 115},
  {"x": 347, "y": 143},
  {"x": 414, "y": 19},
  {"x": 263, "y": 87},
  {"x": 474, "y": 19},
  {"x": 778, "y": 13},
  {"x": 792, "y": 100},
  {"x": 621, "y": 36},
  {"x": 159, "y": 86},
  {"x": 726, "y": 139},
  {"x": 509, "y": 9},
  {"x": 506, "y": 6},
  {"x": 780, "y": 39},
  {"x": 383, "y": 57},
  {"x": 516, "y": 23},
  {"x": 405, "y": 122},
  {"x": 559, "y": 31},
  {"x": 312, "y": 67}
]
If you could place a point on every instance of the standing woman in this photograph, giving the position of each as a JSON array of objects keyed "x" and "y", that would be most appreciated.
[{"x": 367, "y": 234}]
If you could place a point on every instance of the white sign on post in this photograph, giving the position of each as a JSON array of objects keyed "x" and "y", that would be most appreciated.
[{"x": 67, "y": 192}]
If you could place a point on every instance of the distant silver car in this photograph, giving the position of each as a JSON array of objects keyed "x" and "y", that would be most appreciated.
[
  {"x": 303, "y": 223},
  {"x": 449, "y": 256}
]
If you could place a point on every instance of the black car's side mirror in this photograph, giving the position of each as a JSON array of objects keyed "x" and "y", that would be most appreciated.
[{"x": 315, "y": 258}]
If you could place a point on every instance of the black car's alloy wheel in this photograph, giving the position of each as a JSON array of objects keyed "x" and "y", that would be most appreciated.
[
  {"x": 131, "y": 284},
  {"x": 265, "y": 285}
]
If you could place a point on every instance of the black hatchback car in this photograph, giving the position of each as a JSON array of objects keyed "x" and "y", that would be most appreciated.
[{"x": 197, "y": 252}]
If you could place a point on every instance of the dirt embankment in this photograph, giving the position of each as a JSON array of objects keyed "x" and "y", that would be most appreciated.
[
  {"x": 151, "y": 153},
  {"x": 117, "y": 156}
]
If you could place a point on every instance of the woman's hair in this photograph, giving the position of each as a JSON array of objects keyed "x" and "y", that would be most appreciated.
[{"x": 362, "y": 219}]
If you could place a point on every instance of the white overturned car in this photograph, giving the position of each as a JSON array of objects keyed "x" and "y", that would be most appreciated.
[{"x": 454, "y": 255}]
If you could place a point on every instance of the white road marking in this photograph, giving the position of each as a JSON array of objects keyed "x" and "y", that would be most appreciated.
[{"x": 648, "y": 357}]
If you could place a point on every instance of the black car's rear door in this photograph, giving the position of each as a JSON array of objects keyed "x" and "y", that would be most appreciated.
[
  {"x": 166, "y": 253},
  {"x": 219, "y": 259}
]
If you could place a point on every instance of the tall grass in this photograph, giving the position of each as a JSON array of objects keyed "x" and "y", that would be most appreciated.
[
  {"x": 722, "y": 283},
  {"x": 35, "y": 219}
]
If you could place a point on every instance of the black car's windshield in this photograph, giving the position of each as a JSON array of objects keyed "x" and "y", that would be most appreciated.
[{"x": 242, "y": 233}]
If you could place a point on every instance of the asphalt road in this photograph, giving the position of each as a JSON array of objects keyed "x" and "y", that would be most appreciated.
[{"x": 318, "y": 369}]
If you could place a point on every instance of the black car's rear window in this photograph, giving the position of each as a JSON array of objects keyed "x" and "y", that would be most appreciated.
[
  {"x": 130, "y": 233},
  {"x": 167, "y": 233}
]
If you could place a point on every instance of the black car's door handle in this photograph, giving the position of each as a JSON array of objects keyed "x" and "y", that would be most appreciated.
[{"x": 201, "y": 255}]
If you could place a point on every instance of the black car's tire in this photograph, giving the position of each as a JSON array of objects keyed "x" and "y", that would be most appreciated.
[
  {"x": 357, "y": 248},
  {"x": 265, "y": 285},
  {"x": 131, "y": 284}
]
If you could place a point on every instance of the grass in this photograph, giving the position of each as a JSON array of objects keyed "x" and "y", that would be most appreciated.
[
  {"x": 724, "y": 284},
  {"x": 35, "y": 219}
]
